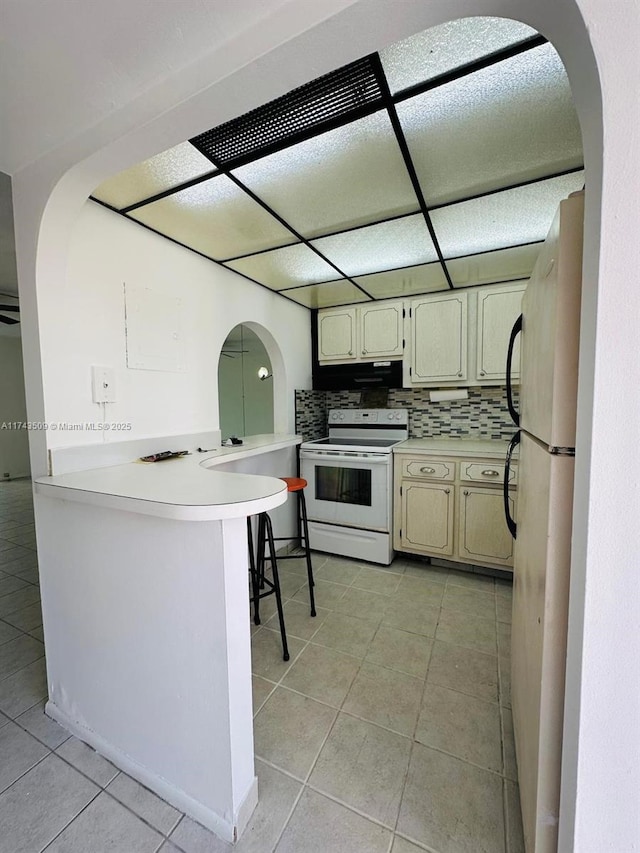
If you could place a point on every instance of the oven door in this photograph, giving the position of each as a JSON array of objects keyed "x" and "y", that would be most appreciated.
[{"x": 350, "y": 490}]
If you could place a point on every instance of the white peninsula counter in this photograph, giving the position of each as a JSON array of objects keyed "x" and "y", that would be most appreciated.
[{"x": 146, "y": 618}]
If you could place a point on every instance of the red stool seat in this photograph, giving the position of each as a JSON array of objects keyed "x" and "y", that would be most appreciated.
[{"x": 294, "y": 484}]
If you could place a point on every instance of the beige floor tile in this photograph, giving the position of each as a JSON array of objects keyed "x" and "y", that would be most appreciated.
[
  {"x": 85, "y": 759},
  {"x": 515, "y": 840},
  {"x": 384, "y": 583},
  {"x": 510, "y": 768},
  {"x": 401, "y": 845},
  {"x": 266, "y": 654},
  {"x": 323, "y": 674},
  {"x": 346, "y": 634},
  {"x": 19, "y": 652},
  {"x": 23, "y": 689},
  {"x": 326, "y": 594},
  {"x": 471, "y": 580},
  {"x": 277, "y": 794},
  {"x": 191, "y": 837},
  {"x": 319, "y": 825},
  {"x": 463, "y": 669},
  {"x": 451, "y": 806},
  {"x": 461, "y": 725},
  {"x": 144, "y": 803},
  {"x": 42, "y": 727},
  {"x": 503, "y": 608},
  {"x": 290, "y": 729},
  {"x": 390, "y": 699},
  {"x": 504, "y": 640},
  {"x": 364, "y": 766},
  {"x": 425, "y": 591},
  {"x": 290, "y": 583},
  {"x": 504, "y": 670},
  {"x": 465, "y": 629},
  {"x": 261, "y": 688},
  {"x": 362, "y": 603},
  {"x": 400, "y": 650},
  {"x": 504, "y": 588},
  {"x": 411, "y": 616},
  {"x": 105, "y": 825},
  {"x": 40, "y": 804},
  {"x": 338, "y": 572},
  {"x": 298, "y": 620},
  {"x": 426, "y": 571},
  {"x": 469, "y": 601},
  {"x": 18, "y": 753}
]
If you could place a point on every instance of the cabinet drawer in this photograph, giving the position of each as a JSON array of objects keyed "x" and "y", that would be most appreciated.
[
  {"x": 429, "y": 469},
  {"x": 487, "y": 472}
]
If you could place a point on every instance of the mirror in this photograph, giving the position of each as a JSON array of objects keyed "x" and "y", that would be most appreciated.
[{"x": 245, "y": 385}]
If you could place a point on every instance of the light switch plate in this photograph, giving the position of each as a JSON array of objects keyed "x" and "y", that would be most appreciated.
[{"x": 103, "y": 384}]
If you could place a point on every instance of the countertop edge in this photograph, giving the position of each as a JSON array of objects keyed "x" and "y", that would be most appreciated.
[{"x": 459, "y": 448}]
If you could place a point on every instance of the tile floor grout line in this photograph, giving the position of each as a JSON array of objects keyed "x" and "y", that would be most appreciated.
[
  {"x": 58, "y": 834},
  {"x": 22, "y": 775}
]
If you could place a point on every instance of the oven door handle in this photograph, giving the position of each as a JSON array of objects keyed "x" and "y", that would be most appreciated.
[{"x": 380, "y": 459}]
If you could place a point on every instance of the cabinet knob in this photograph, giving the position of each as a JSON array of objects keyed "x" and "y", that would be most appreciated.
[
  {"x": 490, "y": 473},
  {"x": 460, "y": 374},
  {"x": 350, "y": 352},
  {"x": 428, "y": 470},
  {"x": 482, "y": 373},
  {"x": 364, "y": 352},
  {"x": 446, "y": 491},
  {"x": 466, "y": 492}
]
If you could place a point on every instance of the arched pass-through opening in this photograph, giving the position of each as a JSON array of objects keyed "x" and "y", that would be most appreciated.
[{"x": 290, "y": 49}]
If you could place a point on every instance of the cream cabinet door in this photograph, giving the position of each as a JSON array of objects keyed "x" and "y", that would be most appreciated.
[
  {"x": 427, "y": 517},
  {"x": 439, "y": 338},
  {"x": 337, "y": 335},
  {"x": 381, "y": 330},
  {"x": 498, "y": 309},
  {"x": 483, "y": 533}
]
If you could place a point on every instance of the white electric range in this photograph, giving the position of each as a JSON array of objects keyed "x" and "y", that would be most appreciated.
[{"x": 350, "y": 493}]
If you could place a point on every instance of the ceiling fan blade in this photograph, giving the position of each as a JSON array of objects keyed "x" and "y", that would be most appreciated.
[
  {"x": 9, "y": 308},
  {"x": 9, "y": 321}
]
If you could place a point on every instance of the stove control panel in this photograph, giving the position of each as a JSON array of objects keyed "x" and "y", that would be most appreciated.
[{"x": 360, "y": 417}]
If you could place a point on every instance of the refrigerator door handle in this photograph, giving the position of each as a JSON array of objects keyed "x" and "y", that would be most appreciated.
[
  {"x": 511, "y": 524},
  {"x": 517, "y": 328}
]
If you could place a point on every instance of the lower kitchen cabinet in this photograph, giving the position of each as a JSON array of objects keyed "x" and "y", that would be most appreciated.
[
  {"x": 432, "y": 501},
  {"x": 483, "y": 536},
  {"x": 453, "y": 508}
]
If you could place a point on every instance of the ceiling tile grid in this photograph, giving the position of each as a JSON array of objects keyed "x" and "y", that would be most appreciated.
[{"x": 338, "y": 207}]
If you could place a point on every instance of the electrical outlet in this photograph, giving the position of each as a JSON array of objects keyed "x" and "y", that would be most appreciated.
[{"x": 103, "y": 384}]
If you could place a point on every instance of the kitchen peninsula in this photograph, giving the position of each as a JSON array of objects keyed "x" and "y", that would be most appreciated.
[{"x": 146, "y": 620}]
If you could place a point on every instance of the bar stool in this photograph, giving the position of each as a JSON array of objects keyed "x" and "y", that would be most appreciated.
[
  {"x": 256, "y": 573},
  {"x": 296, "y": 485}
]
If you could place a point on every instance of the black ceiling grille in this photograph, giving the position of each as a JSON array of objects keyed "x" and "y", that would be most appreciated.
[{"x": 329, "y": 101}]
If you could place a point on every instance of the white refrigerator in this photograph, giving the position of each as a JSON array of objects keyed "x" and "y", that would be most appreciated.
[{"x": 550, "y": 326}]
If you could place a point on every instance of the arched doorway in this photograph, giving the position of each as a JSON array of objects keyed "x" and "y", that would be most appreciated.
[{"x": 245, "y": 385}]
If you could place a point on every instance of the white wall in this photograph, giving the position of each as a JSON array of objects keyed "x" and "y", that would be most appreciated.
[
  {"x": 598, "y": 43},
  {"x": 84, "y": 325},
  {"x": 14, "y": 443}
]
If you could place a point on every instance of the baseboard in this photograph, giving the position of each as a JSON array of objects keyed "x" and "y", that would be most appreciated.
[{"x": 174, "y": 796}]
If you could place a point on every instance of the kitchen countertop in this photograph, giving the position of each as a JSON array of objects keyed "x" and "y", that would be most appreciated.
[
  {"x": 184, "y": 488},
  {"x": 468, "y": 447}
]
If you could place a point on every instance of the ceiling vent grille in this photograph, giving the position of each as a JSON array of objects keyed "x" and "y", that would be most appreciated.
[{"x": 318, "y": 106}]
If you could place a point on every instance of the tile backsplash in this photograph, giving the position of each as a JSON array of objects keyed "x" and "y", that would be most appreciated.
[{"x": 483, "y": 415}]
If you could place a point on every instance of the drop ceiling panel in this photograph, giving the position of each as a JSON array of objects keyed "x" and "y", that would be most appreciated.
[
  {"x": 326, "y": 295},
  {"x": 409, "y": 281},
  {"x": 289, "y": 267},
  {"x": 441, "y": 49},
  {"x": 511, "y": 122},
  {"x": 216, "y": 218},
  {"x": 346, "y": 177},
  {"x": 491, "y": 267},
  {"x": 509, "y": 218},
  {"x": 399, "y": 243},
  {"x": 162, "y": 172}
]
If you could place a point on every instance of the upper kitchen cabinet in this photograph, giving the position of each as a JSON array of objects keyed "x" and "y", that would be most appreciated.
[
  {"x": 363, "y": 333},
  {"x": 498, "y": 309},
  {"x": 461, "y": 338},
  {"x": 438, "y": 339}
]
